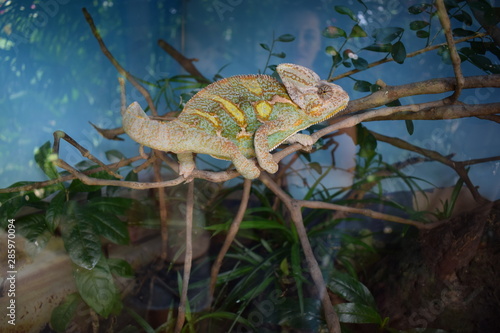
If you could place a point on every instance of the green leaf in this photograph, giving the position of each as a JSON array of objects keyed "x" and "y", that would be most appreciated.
[
  {"x": 121, "y": 268},
  {"x": 34, "y": 228},
  {"x": 366, "y": 141},
  {"x": 63, "y": 314},
  {"x": 357, "y": 31},
  {"x": 10, "y": 203},
  {"x": 351, "y": 289},
  {"x": 97, "y": 288},
  {"x": 331, "y": 50},
  {"x": 56, "y": 211},
  {"x": 422, "y": 34},
  {"x": 132, "y": 176},
  {"x": 333, "y": 32},
  {"x": 81, "y": 241},
  {"x": 459, "y": 32},
  {"x": 286, "y": 38},
  {"x": 398, "y": 52},
  {"x": 464, "y": 17},
  {"x": 44, "y": 157},
  {"x": 357, "y": 314},
  {"x": 362, "y": 86},
  {"x": 417, "y": 9},
  {"x": 110, "y": 227},
  {"x": 346, "y": 11},
  {"x": 114, "y": 156},
  {"x": 265, "y": 46},
  {"x": 279, "y": 55},
  {"x": 387, "y": 35},
  {"x": 409, "y": 126},
  {"x": 360, "y": 63},
  {"x": 417, "y": 25},
  {"x": 112, "y": 205},
  {"x": 387, "y": 47},
  {"x": 316, "y": 167}
]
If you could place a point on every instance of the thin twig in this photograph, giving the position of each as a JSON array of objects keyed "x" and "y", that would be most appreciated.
[
  {"x": 231, "y": 234},
  {"x": 409, "y": 55},
  {"x": 455, "y": 58},
  {"x": 117, "y": 65},
  {"x": 188, "y": 258},
  {"x": 459, "y": 167},
  {"x": 162, "y": 203}
]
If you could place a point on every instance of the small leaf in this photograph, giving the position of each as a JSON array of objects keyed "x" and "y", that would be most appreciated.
[
  {"x": 316, "y": 167},
  {"x": 444, "y": 53},
  {"x": 265, "y": 46},
  {"x": 387, "y": 47},
  {"x": 357, "y": 31},
  {"x": 346, "y": 11},
  {"x": 422, "y": 34},
  {"x": 63, "y": 314},
  {"x": 417, "y": 25},
  {"x": 108, "y": 226},
  {"x": 357, "y": 314},
  {"x": 347, "y": 64},
  {"x": 333, "y": 32},
  {"x": 113, "y": 205},
  {"x": 459, "y": 32},
  {"x": 279, "y": 55},
  {"x": 120, "y": 267},
  {"x": 362, "y": 86},
  {"x": 114, "y": 156},
  {"x": 464, "y": 17},
  {"x": 132, "y": 176},
  {"x": 286, "y": 38},
  {"x": 398, "y": 52},
  {"x": 360, "y": 63},
  {"x": 44, "y": 157},
  {"x": 331, "y": 50},
  {"x": 409, "y": 126},
  {"x": 387, "y": 35},
  {"x": 97, "y": 288},
  {"x": 417, "y": 9}
]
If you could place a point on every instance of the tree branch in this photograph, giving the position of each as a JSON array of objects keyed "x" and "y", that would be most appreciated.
[
  {"x": 117, "y": 65},
  {"x": 409, "y": 55},
  {"x": 455, "y": 58}
]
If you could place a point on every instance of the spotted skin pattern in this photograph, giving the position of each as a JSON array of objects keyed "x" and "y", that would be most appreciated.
[{"x": 241, "y": 117}]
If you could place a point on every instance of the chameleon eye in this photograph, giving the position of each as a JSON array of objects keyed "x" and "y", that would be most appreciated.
[{"x": 325, "y": 91}]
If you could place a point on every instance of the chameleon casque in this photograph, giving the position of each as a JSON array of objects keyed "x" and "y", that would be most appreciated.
[{"x": 241, "y": 117}]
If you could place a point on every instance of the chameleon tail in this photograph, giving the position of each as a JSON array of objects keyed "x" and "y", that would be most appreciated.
[{"x": 151, "y": 133}]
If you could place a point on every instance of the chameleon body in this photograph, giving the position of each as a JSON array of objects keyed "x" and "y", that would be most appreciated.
[{"x": 241, "y": 117}]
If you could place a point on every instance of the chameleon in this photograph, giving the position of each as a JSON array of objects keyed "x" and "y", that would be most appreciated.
[{"x": 241, "y": 117}]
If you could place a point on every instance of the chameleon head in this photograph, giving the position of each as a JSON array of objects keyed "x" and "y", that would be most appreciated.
[{"x": 318, "y": 98}]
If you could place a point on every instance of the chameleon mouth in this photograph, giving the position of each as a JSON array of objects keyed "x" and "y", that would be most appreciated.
[{"x": 333, "y": 113}]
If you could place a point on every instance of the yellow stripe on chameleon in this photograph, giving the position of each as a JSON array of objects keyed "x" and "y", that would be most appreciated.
[
  {"x": 213, "y": 119},
  {"x": 231, "y": 108},
  {"x": 263, "y": 109},
  {"x": 251, "y": 84}
]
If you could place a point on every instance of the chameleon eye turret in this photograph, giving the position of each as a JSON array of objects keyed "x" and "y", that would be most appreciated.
[{"x": 241, "y": 117}]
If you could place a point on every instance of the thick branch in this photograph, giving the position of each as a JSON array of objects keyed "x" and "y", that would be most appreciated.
[
  {"x": 294, "y": 207},
  {"x": 186, "y": 63},
  {"x": 455, "y": 58}
]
